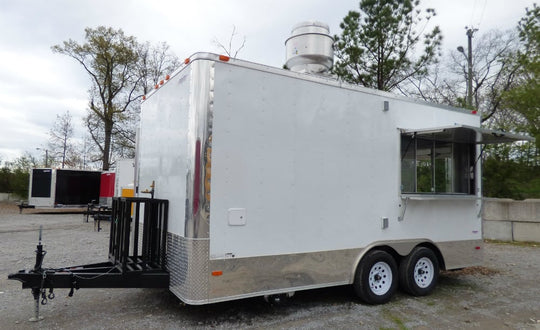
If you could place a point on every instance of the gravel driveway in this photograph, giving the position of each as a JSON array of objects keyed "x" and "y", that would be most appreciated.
[{"x": 504, "y": 293}]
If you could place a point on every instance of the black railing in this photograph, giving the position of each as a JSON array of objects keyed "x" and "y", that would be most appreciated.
[{"x": 129, "y": 217}]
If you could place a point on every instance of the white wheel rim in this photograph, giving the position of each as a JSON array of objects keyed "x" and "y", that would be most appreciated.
[
  {"x": 380, "y": 278},
  {"x": 423, "y": 272}
]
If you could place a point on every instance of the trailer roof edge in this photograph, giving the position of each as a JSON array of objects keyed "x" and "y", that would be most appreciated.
[{"x": 330, "y": 81}]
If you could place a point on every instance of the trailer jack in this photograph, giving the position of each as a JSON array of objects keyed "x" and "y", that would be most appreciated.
[
  {"x": 38, "y": 292},
  {"x": 145, "y": 267}
]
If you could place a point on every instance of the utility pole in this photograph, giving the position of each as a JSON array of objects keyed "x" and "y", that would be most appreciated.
[
  {"x": 468, "y": 56},
  {"x": 46, "y": 156}
]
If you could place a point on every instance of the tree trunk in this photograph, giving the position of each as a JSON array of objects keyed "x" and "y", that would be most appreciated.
[{"x": 107, "y": 144}]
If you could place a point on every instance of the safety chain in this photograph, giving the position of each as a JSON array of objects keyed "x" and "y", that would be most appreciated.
[{"x": 43, "y": 291}]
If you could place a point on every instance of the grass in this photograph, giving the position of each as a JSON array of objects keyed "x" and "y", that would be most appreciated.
[
  {"x": 400, "y": 324},
  {"x": 513, "y": 243}
]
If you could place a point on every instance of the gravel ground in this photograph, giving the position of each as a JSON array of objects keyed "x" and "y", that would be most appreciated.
[{"x": 504, "y": 293}]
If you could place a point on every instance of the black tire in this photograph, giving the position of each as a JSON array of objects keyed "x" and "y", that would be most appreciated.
[
  {"x": 376, "y": 278},
  {"x": 419, "y": 272}
]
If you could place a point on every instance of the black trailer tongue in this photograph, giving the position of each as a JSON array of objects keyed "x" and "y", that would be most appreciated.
[{"x": 131, "y": 264}]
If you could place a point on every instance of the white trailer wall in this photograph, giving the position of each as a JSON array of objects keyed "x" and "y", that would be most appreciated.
[
  {"x": 163, "y": 147},
  {"x": 313, "y": 167}
]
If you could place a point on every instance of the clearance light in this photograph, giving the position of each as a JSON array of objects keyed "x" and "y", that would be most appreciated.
[
  {"x": 224, "y": 58},
  {"x": 144, "y": 97},
  {"x": 217, "y": 273},
  {"x": 161, "y": 82},
  {"x": 167, "y": 77},
  {"x": 477, "y": 248},
  {"x": 186, "y": 61},
  {"x": 156, "y": 86}
]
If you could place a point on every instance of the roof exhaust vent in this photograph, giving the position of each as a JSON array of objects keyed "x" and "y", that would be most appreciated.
[{"x": 310, "y": 48}]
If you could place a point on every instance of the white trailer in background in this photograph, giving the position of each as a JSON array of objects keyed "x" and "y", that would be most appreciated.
[
  {"x": 123, "y": 183},
  {"x": 280, "y": 181}
]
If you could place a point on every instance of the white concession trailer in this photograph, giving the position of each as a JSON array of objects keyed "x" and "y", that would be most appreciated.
[{"x": 280, "y": 181}]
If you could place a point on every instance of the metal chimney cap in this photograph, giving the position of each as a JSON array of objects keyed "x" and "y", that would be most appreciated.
[
  {"x": 309, "y": 49},
  {"x": 311, "y": 25}
]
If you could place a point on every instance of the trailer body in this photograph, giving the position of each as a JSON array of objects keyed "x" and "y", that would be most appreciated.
[
  {"x": 118, "y": 182},
  {"x": 279, "y": 181},
  {"x": 124, "y": 178},
  {"x": 106, "y": 188},
  {"x": 51, "y": 188}
]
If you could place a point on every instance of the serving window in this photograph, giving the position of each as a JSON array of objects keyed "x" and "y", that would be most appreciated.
[
  {"x": 442, "y": 160},
  {"x": 432, "y": 166}
]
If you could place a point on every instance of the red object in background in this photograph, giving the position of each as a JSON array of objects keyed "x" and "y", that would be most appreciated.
[{"x": 106, "y": 189}]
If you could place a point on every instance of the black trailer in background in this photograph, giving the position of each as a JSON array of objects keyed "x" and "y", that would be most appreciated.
[
  {"x": 76, "y": 187},
  {"x": 61, "y": 187}
]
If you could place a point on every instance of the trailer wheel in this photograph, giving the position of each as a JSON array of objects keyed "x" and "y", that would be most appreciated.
[
  {"x": 375, "y": 281},
  {"x": 419, "y": 271}
]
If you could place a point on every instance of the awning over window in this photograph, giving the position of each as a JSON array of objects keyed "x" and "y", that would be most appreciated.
[{"x": 466, "y": 134}]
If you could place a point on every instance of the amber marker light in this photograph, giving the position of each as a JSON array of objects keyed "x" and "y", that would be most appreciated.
[
  {"x": 186, "y": 61},
  {"x": 167, "y": 77},
  {"x": 217, "y": 273},
  {"x": 144, "y": 97},
  {"x": 161, "y": 82},
  {"x": 224, "y": 58}
]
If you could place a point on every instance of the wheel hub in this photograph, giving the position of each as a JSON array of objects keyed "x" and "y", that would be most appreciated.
[
  {"x": 424, "y": 272},
  {"x": 380, "y": 278}
]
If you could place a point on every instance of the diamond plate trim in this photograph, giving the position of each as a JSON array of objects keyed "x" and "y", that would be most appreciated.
[{"x": 187, "y": 261}]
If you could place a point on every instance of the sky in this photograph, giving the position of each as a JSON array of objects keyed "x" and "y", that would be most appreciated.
[{"x": 36, "y": 84}]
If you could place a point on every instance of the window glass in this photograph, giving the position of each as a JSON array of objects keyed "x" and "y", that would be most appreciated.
[
  {"x": 443, "y": 167},
  {"x": 424, "y": 168},
  {"x": 463, "y": 180},
  {"x": 408, "y": 164},
  {"x": 429, "y": 166}
]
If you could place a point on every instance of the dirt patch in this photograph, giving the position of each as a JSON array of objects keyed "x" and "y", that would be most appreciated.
[
  {"x": 503, "y": 293},
  {"x": 476, "y": 270},
  {"x": 8, "y": 208}
]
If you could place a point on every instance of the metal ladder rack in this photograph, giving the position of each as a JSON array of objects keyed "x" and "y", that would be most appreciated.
[{"x": 126, "y": 224}]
